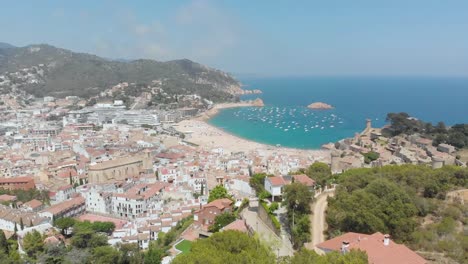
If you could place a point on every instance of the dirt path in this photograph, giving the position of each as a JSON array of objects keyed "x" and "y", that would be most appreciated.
[{"x": 317, "y": 221}]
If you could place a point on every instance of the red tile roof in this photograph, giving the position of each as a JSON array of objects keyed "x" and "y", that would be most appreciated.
[
  {"x": 219, "y": 203},
  {"x": 304, "y": 179},
  {"x": 276, "y": 181},
  {"x": 373, "y": 245}
]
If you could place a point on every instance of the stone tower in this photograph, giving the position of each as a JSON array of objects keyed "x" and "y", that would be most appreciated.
[
  {"x": 437, "y": 163},
  {"x": 368, "y": 124}
]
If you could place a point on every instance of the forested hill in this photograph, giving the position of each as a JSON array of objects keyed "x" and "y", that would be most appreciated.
[
  {"x": 59, "y": 72},
  {"x": 403, "y": 123}
]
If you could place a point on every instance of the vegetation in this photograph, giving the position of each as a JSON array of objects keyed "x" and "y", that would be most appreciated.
[
  {"x": 227, "y": 247},
  {"x": 87, "y": 75},
  {"x": 319, "y": 172},
  {"x": 370, "y": 156},
  {"x": 232, "y": 247},
  {"x": 402, "y": 123},
  {"x": 222, "y": 220},
  {"x": 408, "y": 202},
  {"x": 271, "y": 215},
  {"x": 297, "y": 199},
  {"x": 218, "y": 192},
  {"x": 184, "y": 246},
  {"x": 26, "y": 196}
]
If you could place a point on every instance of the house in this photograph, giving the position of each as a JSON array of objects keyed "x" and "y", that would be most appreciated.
[
  {"x": 70, "y": 208},
  {"x": 274, "y": 185},
  {"x": 380, "y": 248},
  {"x": 18, "y": 183},
  {"x": 305, "y": 180},
  {"x": 33, "y": 205},
  {"x": 446, "y": 148},
  {"x": 205, "y": 217}
]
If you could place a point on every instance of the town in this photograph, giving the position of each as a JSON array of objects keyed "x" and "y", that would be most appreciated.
[{"x": 130, "y": 162}]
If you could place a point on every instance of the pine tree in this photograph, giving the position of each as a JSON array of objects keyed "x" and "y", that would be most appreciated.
[
  {"x": 30, "y": 223},
  {"x": 21, "y": 223},
  {"x": 3, "y": 242},
  {"x": 16, "y": 228},
  {"x": 202, "y": 189},
  {"x": 71, "y": 179}
]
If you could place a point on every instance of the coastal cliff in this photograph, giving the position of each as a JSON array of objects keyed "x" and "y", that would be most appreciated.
[{"x": 320, "y": 106}]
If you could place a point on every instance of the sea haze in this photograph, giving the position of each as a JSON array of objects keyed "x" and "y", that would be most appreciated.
[{"x": 287, "y": 121}]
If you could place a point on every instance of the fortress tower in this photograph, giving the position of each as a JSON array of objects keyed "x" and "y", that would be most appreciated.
[{"x": 368, "y": 124}]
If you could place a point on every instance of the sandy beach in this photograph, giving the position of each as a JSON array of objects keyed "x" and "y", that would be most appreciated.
[
  {"x": 209, "y": 137},
  {"x": 217, "y": 107}
]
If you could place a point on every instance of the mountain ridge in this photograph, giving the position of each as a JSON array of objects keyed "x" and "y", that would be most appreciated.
[{"x": 65, "y": 72}]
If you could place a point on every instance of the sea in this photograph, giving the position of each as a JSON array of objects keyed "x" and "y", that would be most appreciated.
[{"x": 285, "y": 120}]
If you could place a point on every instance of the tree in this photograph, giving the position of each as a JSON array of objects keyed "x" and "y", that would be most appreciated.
[
  {"x": 222, "y": 220},
  {"x": 319, "y": 172},
  {"x": 227, "y": 247},
  {"x": 21, "y": 223},
  {"x": 105, "y": 255},
  {"x": 54, "y": 254},
  {"x": 154, "y": 254},
  {"x": 297, "y": 199},
  {"x": 218, "y": 192},
  {"x": 130, "y": 253},
  {"x": 33, "y": 243},
  {"x": 3, "y": 243},
  {"x": 64, "y": 224},
  {"x": 104, "y": 227}
]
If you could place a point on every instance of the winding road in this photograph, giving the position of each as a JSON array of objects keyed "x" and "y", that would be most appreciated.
[{"x": 317, "y": 220}]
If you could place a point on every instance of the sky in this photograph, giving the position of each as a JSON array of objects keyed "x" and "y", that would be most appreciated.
[{"x": 262, "y": 37}]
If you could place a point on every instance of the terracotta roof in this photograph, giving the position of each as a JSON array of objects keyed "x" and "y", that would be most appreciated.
[
  {"x": 7, "y": 198},
  {"x": 16, "y": 180},
  {"x": 373, "y": 245},
  {"x": 63, "y": 206},
  {"x": 119, "y": 223},
  {"x": 33, "y": 204},
  {"x": 276, "y": 181},
  {"x": 304, "y": 179},
  {"x": 238, "y": 225},
  {"x": 219, "y": 203}
]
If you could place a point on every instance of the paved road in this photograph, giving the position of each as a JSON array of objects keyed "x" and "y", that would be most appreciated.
[{"x": 317, "y": 220}]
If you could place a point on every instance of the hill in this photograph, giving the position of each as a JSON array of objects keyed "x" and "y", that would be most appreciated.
[
  {"x": 4, "y": 45},
  {"x": 60, "y": 72}
]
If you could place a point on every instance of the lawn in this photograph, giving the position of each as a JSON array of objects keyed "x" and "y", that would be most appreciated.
[{"x": 184, "y": 246}]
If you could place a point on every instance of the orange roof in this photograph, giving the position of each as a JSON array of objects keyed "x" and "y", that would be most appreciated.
[
  {"x": 276, "y": 181},
  {"x": 16, "y": 180},
  {"x": 33, "y": 204},
  {"x": 219, "y": 203},
  {"x": 374, "y": 246},
  {"x": 238, "y": 225},
  {"x": 304, "y": 179}
]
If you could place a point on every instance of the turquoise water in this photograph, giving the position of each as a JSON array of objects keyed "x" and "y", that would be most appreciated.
[{"x": 286, "y": 120}]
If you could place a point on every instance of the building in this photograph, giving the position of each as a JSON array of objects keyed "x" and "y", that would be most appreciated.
[
  {"x": 380, "y": 248},
  {"x": 205, "y": 217},
  {"x": 137, "y": 200},
  {"x": 70, "y": 208},
  {"x": 33, "y": 205},
  {"x": 275, "y": 185},
  {"x": 305, "y": 180},
  {"x": 9, "y": 218},
  {"x": 18, "y": 183},
  {"x": 118, "y": 169},
  {"x": 446, "y": 148}
]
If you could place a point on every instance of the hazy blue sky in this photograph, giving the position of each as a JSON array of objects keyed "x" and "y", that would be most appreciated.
[{"x": 332, "y": 37}]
